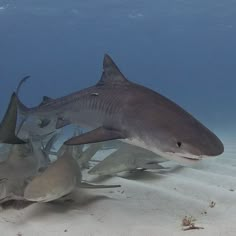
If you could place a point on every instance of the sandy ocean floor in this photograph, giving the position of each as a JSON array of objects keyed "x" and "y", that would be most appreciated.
[{"x": 148, "y": 203}]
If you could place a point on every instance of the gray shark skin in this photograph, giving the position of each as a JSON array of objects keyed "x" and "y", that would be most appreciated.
[
  {"x": 116, "y": 108},
  {"x": 59, "y": 179},
  {"x": 8, "y": 124},
  {"x": 127, "y": 158}
]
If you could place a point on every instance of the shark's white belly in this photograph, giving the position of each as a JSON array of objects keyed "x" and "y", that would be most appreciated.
[{"x": 189, "y": 159}]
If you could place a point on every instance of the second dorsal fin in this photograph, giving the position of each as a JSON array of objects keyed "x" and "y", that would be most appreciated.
[{"x": 45, "y": 100}]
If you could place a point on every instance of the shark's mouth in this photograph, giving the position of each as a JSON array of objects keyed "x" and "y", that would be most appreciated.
[
  {"x": 190, "y": 156},
  {"x": 183, "y": 158}
]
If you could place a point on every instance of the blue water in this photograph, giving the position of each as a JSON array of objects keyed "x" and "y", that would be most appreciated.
[{"x": 184, "y": 49}]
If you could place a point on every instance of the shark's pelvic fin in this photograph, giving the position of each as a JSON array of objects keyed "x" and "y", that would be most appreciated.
[
  {"x": 97, "y": 135},
  {"x": 111, "y": 74},
  {"x": 8, "y": 124},
  {"x": 87, "y": 185}
]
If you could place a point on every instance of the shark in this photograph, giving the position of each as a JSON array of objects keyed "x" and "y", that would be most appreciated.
[
  {"x": 21, "y": 160},
  {"x": 127, "y": 158},
  {"x": 61, "y": 178},
  {"x": 117, "y": 108},
  {"x": 22, "y": 163}
]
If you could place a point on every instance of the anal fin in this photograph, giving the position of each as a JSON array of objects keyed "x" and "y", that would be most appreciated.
[{"x": 97, "y": 135}]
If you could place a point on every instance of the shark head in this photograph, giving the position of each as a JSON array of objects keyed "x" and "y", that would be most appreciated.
[
  {"x": 196, "y": 146},
  {"x": 182, "y": 139}
]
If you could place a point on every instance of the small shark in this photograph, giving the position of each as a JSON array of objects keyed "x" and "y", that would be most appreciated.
[
  {"x": 127, "y": 158},
  {"x": 116, "y": 108},
  {"x": 59, "y": 179}
]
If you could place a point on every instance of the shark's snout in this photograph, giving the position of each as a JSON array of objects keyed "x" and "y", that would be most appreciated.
[{"x": 215, "y": 147}]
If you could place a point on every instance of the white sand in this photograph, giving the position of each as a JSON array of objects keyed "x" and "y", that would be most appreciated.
[{"x": 147, "y": 204}]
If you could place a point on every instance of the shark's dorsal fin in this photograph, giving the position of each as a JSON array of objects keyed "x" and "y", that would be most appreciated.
[
  {"x": 45, "y": 100},
  {"x": 111, "y": 74}
]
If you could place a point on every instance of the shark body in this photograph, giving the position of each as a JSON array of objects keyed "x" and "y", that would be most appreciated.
[
  {"x": 116, "y": 108},
  {"x": 127, "y": 158}
]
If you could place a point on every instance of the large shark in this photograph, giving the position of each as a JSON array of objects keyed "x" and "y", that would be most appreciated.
[{"x": 116, "y": 108}]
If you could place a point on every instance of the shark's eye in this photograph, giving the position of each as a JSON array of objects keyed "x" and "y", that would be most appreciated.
[{"x": 179, "y": 144}]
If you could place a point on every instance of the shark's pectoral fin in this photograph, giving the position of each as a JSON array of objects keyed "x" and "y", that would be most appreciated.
[
  {"x": 87, "y": 185},
  {"x": 97, "y": 135},
  {"x": 61, "y": 123},
  {"x": 8, "y": 124}
]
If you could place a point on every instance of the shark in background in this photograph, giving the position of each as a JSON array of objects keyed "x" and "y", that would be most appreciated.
[
  {"x": 60, "y": 179},
  {"x": 116, "y": 108}
]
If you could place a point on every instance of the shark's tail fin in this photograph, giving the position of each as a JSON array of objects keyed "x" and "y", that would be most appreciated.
[
  {"x": 8, "y": 124},
  {"x": 23, "y": 80},
  {"x": 22, "y": 108}
]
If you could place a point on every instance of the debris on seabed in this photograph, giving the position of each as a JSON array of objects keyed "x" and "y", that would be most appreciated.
[
  {"x": 188, "y": 224},
  {"x": 212, "y": 204}
]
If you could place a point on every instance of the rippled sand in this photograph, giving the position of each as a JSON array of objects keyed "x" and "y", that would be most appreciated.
[{"x": 148, "y": 203}]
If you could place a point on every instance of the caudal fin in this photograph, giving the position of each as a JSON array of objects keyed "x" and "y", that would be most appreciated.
[
  {"x": 8, "y": 124},
  {"x": 22, "y": 108}
]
